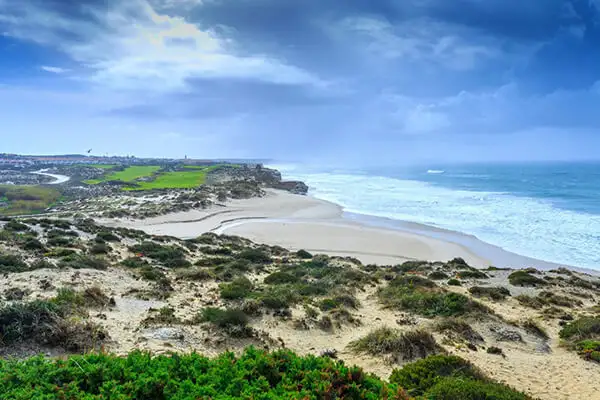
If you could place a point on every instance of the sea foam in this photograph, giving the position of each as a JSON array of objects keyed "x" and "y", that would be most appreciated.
[{"x": 527, "y": 226}]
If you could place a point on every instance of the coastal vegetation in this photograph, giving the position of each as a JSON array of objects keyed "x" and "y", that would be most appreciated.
[
  {"x": 225, "y": 292},
  {"x": 20, "y": 200}
]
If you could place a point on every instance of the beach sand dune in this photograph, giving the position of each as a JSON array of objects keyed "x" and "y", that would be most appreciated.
[{"x": 301, "y": 222}]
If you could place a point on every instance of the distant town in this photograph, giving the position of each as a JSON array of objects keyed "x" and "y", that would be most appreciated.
[{"x": 27, "y": 161}]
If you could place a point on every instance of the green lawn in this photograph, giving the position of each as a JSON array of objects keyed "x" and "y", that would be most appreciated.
[
  {"x": 101, "y": 166},
  {"x": 129, "y": 174},
  {"x": 175, "y": 180}
]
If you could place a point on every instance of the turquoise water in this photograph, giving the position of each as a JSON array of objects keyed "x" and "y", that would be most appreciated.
[{"x": 546, "y": 211}]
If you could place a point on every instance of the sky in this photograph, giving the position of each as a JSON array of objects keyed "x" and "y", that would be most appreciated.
[{"x": 319, "y": 81}]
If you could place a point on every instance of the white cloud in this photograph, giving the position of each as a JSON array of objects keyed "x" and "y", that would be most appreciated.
[
  {"x": 420, "y": 40},
  {"x": 54, "y": 70},
  {"x": 135, "y": 47}
]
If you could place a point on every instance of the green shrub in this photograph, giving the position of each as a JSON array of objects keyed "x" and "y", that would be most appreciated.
[
  {"x": 100, "y": 248},
  {"x": 472, "y": 274},
  {"x": 589, "y": 350},
  {"x": 33, "y": 244},
  {"x": 494, "y": 293},
  {"x": 12, "y": 263},
  {"x": 420, "y": 376},
  {"x": 240, "y": 288},
  {"x": 438, "y": 275},
  {"x": 303, "y": 254},
  {"x": 428, "y": 303},
  {"x": 135, "y": 262},
  {"x": 548, "y": 297},
  {"x": 523, "y": 278},
  {"x": 494, "y": 350},
  {"x": 279, "y": 297},
  {"x": 256, "y": 256},
  {"x": 278, "y": 278},
  {"x": 224, "y": 318},
  {"x": 165, "y": 254},
  {"x": 254, "y": 374},
  {"x": 582, "y": 328},
  {"x": 459, "y": 329},
  {"x": 471, "y": 389},
  {"x": 328, "y": 304},
  {"x": 152, "y": 274},
  {"x": 108, "y": 236},
  {"x": 195, "y": 274},
  {"x": 162, "y": 316},
  {"x": 16, "y": 226},
  {"x": 530, "y": 301},
  {"x": 399, "y": 345},
  {"x": 78, "y": 261},
  {"x": 45, "y": 323},
  {"x": 454, "y": 282},
  {"x": 412, "y": 281}
]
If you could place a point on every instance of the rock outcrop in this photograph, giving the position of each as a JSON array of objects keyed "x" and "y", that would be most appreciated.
[{"x": 266, "y": 177}]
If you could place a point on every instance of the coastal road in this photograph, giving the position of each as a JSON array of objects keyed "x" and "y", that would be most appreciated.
[{"x": 58, "y": 179}]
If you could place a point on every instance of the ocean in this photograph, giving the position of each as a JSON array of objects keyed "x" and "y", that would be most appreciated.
[{"x": 547, "y": 211}]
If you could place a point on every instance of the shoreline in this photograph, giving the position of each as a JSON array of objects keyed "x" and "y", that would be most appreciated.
[{"x": 306, "y": 222}]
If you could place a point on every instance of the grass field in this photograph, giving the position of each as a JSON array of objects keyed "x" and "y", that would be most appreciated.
[
  {"x": 100, "y": 166},
  {"x": 191, "y": 176},
  {"x": 129, "y": 174},
  {"x": 175, "y": 180},
  {"x": 27, "y": 199}
]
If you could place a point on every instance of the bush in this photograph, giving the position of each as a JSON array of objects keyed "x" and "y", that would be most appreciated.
[
  {"x": 238, "y": 289},
  {"x": 224, "y": 318},
  {"x": 152, "y": 274},
  {"x": 12, "y": 263},
  {"x": 494, "y": 350},
  {"x": 135, "y": 262},
  {"x": 470, "y": 389},
  {"x": 531, "y": 302},
  {"x": 174, "y": 256},
  {"x": 33, "y": 244},
  {"x": 16, "y": 226},
  {"x": 45, "y": 323},
  {"x": 428, "y": 303},
  {"x": 412, "y": 281},
  {"x": 399, "y": 345},
  {"x": 459, "y": 329},
  {"x": 256, "y": 256},
  {"x": 454, "y": 282},
  {"x": 303, "y": 254},
  {"x": 100, "y": 248},
  {"x": 558, "y": 300},
  {"x": 438, "y": 275},
  {"x": 195, "y": 274},
  {"x": 420, "y": 376},
  {"x": 582, "y": 328},
  {"x": 108, "y": 236},
  {"x": 279, "y": 278},
  {"x": 494, "y": 293},
  {"x": 254, "y": 374},
  {"x": 523, "y": 278},
  {"x": 472, "y": 274},
  {"x": 83, "y": 262}
]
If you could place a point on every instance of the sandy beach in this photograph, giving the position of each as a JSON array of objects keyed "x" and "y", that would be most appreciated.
[{"x": 303, "y": 222}]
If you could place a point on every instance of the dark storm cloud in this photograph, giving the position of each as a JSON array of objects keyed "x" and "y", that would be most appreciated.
[{"x": 309, "y": 74}]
